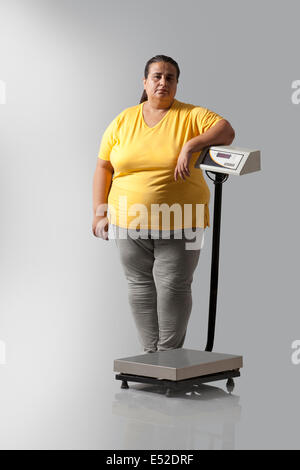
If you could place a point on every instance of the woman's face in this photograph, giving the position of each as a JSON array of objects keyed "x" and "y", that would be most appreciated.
[{"x": 161, "y": 83}]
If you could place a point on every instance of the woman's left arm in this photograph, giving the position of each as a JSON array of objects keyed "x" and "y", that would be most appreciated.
[{"x": 220, "y": 134}]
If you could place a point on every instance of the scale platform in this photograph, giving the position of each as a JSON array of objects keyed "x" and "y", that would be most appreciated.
[{"x": 178, "y": 368}]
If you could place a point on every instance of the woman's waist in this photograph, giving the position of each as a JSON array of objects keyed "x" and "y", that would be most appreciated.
[{"x": 180, "y": 191}]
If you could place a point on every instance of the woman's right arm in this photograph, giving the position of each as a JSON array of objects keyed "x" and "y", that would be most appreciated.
[{"x": 101, "y": 187}]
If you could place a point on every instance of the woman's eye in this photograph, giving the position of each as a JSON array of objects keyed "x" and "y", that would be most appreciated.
[{"x": 169, "y": 78}]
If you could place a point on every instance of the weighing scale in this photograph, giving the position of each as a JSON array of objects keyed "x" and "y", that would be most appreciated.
[{"x": 180, "y": 369}]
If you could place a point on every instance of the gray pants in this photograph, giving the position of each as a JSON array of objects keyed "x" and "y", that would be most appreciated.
[{"x": 159, "y": 274}]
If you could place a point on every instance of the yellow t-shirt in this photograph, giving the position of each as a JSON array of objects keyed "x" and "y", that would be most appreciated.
[{"x": 144, "y": 159}]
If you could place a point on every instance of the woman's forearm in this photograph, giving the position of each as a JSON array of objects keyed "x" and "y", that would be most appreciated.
[
  {"x": 220, "y": 134},
  {"x": 101, "y": 187}
]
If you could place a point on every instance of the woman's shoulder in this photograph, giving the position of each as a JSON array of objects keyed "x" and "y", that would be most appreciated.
[
  {"x": 126, "y": 113},
  {"x": 189, "y": 107},
  {"x": 130, "y": 110}
]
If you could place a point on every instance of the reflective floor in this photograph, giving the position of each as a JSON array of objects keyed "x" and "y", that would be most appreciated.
[
  {"x": 83, "y": 407},
  {"x": 204, "y": 418}
]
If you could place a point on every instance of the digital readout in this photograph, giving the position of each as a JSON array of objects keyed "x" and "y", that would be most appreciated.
[{"x": 223, "y": 155}]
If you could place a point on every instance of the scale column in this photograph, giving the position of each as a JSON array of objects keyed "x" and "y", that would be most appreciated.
[{"x": 220, "y": 178}]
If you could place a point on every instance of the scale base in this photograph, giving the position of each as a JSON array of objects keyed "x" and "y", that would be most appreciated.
[{"x": 182, "y": 385}]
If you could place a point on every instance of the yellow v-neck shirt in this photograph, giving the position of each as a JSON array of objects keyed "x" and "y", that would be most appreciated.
[{"x": 144, "y": 159}]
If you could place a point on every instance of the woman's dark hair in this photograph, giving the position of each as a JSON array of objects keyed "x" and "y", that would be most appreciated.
[{"x": 158, "y": 58}]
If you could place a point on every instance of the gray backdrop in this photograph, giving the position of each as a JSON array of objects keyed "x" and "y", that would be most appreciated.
[{"x": 68, "y": 68}]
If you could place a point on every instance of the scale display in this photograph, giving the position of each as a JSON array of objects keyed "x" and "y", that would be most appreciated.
[{"x": 228, "y": 159}]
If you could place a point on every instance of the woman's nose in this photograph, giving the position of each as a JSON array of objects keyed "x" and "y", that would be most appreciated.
[{"x": 163, "y": 80}]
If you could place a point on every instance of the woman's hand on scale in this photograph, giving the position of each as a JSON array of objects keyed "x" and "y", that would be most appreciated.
[
  {"x": 100, "y": 226},
  {"x": 183, "y": 161}
]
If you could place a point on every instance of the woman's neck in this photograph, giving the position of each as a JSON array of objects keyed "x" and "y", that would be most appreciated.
[{"x": 157, "y": 107}]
